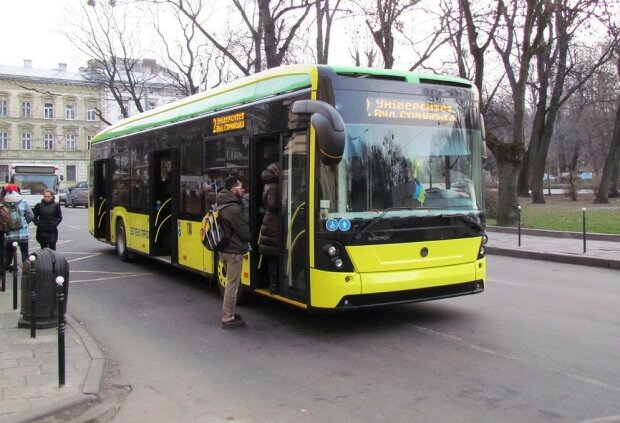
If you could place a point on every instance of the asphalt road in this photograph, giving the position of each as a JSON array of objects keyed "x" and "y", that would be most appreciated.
[{"x": 541, "y": 344}]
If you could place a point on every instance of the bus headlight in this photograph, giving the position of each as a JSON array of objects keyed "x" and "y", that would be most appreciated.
[
  {"x": 337, "y": 263},
  {"x": 331, "y": 250},
  {"x": 483, "y": 250}
]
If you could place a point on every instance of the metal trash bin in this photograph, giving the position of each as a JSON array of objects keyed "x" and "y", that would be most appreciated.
[{"x": 48, "y": 265}]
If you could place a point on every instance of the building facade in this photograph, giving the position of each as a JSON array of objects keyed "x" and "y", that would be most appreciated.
[{"x": 49, "y": 116}]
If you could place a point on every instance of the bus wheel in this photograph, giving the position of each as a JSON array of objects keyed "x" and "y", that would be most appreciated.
[
  {"x": 244, "y": 295},
  {"x": 121, "y": 242}
]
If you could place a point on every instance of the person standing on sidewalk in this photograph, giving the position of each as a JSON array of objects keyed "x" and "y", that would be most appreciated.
[
  {"x": 14, "y": 200},
  {"x": 47, "y": 217},
  {"x": 232, "y": 255}
]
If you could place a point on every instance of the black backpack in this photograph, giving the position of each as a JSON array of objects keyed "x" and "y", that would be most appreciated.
[{"x": 215, "y": 232}]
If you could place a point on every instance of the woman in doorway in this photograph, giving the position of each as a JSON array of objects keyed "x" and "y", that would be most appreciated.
[
  {"x": 47, "y": 217},
  {"x": 268, "y": 242}
]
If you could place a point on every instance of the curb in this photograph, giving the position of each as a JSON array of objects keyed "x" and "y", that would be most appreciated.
[
  {"x": 92, "y": 382},
  {"x": 554, "y": 234},
  {"x": 555, "y": 257}
]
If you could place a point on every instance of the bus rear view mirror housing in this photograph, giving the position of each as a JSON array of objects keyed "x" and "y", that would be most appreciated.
[{"x": 329, "y": 128}]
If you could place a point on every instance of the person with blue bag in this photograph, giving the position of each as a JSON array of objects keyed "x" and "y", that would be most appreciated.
[{"x": 21, "y": 215}]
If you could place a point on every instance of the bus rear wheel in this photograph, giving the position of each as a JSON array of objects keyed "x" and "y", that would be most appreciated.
[
  {"x": 244, "y": 295},
  {"x": 121, "y": 242}
]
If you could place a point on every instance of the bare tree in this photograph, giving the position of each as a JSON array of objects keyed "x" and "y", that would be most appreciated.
[
  {"x": 324, "y": 20},
  {"x": 271, "y": 28},
  {"x": 382, "y": 20},
  {"x": 522, "y": 34},
  {"x": 190, "y": 59},
  {"x": 559, "y": 74},
  {"x": 103, "y": 34},
  {"x": 613, "y": 158}
]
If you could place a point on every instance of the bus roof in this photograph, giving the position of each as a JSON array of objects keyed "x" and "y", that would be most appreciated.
[{"x": 255, "y": 87}]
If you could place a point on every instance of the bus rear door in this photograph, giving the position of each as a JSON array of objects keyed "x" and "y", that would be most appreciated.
[
  {"x": 163, "y": 205},
  {"x": 101, "y": 195}
]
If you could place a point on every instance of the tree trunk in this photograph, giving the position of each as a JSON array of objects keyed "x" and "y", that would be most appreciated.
[
  {"x": 613, "y": 184},
  {"x": 610, "y": 162},
  {"x": 509, "y": 157}
]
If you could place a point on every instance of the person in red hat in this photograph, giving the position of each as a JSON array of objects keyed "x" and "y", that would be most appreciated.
[{"x": 14, "y": 201}]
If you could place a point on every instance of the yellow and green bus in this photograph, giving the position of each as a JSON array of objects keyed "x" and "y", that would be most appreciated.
[{"x": 380, "y": 185}]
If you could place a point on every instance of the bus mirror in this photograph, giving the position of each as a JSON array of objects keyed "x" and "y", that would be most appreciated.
[{"x": 329, "y": 128}]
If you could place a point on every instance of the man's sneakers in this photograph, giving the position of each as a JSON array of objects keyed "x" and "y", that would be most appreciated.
[{"x": 236, "y": 322}]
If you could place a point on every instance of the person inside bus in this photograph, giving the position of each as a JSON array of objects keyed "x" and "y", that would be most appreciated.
[
  {"x": 269, "y": 241},
  {"x": 13, "y": 199},
  {"x": 47, "y": 217},
  {"x": 231, "y": 212}
]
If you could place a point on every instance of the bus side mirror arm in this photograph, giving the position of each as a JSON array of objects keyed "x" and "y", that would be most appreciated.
[{"x": 328, "y": 126}]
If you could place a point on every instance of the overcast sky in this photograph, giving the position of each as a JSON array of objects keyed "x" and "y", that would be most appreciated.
[{"x": 32, "y": 29}]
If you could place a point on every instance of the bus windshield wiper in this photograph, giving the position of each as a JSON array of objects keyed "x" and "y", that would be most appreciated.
[
  {"x": 378, "y": 218},
  {"x": 466, "y": 218}
]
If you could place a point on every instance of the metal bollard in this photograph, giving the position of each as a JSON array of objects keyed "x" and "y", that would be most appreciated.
[
  {"x": 519, "y": 231},
  {"x": 33, "y": 298},
  {"x": 14, "y": 275},
  {"x": 2, "y": 254},
  {"x": 60, "y": 296},
  {"x": 584, "y": 229}
]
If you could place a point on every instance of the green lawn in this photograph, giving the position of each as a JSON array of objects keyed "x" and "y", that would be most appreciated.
[{"x": 561, "y": 214}]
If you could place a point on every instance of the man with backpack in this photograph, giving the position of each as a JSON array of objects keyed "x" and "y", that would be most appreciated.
[
  {"x": 21, "y": 216},
  {"x": 232, "y": 254}
]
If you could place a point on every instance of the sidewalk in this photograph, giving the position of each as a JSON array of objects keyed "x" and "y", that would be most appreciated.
[
  {"x": 29, "y": 388},
  {"x": 565, "y": 247}
]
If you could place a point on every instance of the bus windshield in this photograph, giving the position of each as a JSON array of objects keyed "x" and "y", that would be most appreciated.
[
  {"x": 36, "y": 184},
  {"x": 405, "y": 155}
]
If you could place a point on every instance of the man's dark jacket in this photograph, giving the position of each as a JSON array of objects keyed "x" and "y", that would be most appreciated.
[{"x": 233, "y": 215}]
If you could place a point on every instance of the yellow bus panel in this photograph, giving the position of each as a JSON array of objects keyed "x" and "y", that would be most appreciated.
[
  {"x": 329, "y": 287},
  {"x": 189, "y": 246},
  {"x": 137, "y": 228},
  {"x": 418, "y": 278},
  {"x": 393, "y": 257}
]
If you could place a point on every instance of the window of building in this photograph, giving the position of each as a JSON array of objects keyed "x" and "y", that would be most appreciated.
[
  {"x": 4, "y": 173},
  {"x": 91, "y": 114},
  {"x": 48, "y": 111},
  {"x": 26, "y": 141},
  {"x": 4, "y": 107},
  {"x": 48, "y": 141},
  {"x": 70, "y": 112},
  {"x": 26, "y": 109},
  {"x": 71, "y": 173},
  {"x": 71, "y": 142},
  {"x": 4, "y": 140}
]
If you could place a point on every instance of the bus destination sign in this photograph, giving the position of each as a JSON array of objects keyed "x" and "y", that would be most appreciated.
[
  {"x": 381, "y": 107},
  {"x": 231, "y": 122}
]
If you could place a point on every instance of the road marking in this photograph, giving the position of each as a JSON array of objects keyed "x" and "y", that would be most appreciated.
[
  {"x": 73, "y": 227},
  {"x": 510, "y": 283},
  {"x": 82, "y": 258},
  {"x": 109, "y": 278},
  {"x": 461, "y": 341},
  {"x": 111, "y": 273}
]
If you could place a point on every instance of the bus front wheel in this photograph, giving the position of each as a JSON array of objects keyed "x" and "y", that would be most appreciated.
[
  {"x": 121, "y": 242},
  {"x": 243, "y": 294}
]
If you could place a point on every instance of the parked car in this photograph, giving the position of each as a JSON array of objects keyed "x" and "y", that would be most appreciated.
[
  {"x": 62, "y": 195},
  {"x": 81, "y": 184},
  {"x": 77, "y": 197}
]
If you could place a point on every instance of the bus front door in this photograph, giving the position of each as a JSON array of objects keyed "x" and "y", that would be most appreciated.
[
  {"x": 284, "y": 274},
  {"x": 101, "y": 195},
  {"x": 163, "y": 204}
]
